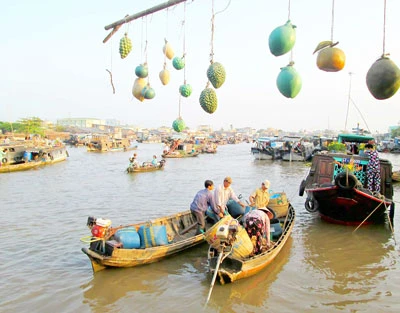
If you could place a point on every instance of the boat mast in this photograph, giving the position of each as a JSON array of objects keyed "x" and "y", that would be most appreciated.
[
  {"x": 128, "y": 18},
  {"x": 348, "y": 101}
]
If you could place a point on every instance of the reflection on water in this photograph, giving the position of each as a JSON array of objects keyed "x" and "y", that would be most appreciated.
[{"x": 322, "y": 268}]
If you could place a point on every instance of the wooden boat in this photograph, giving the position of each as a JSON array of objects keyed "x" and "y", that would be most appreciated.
[
  {"x": 156, "y": 240},
  {"x": 228, "y": 267},
  {"x": 146, "y": 167},
  {"x": 180, "y": 154},
  {"x": 298, "y": 151},
  {"x": 267, "y": 148},
  {"x": 106, "y": 144},
  {"x": 336, "y": 187},
  {"x": 34, "y": 158}
]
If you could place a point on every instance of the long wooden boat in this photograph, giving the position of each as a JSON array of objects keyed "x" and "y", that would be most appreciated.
[
  {"x": 336, "y": 187},
  {"x": 180, "y": 154},
  {"x": 150, "y": 241},
  {"x": 267, "y": 148},
  {"x": 231, "y": 267},
  {"x": 147, "y": 167},
  {"x": 35, "y": 158}
]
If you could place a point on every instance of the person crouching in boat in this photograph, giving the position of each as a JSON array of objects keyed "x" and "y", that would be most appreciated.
[
  {"x": 256, "y": 222},
  {"x": 202, "y": 200},
  {"x": 154, "y": 162}
]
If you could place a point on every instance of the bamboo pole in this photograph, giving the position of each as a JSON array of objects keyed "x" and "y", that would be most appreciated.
[{"x": 129, "y": 18}]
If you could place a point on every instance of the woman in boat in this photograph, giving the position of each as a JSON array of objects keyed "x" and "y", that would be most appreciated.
[
  {"x": 373, "y": 168},
  {"x": 256, "y": 222},
  {"x": 202, "y": 200}
]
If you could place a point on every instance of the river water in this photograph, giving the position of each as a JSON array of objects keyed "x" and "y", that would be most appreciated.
[{"x": 323, "y": 267}]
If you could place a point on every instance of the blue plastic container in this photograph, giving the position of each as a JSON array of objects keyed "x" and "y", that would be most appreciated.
[
  {"x": 27, "y": 156},
  {"x": 129, "y": 238},
  {"x": 275, "y": 231},
  {"x": 151, "y": 236},
  {"x": 234, "y": 208}
]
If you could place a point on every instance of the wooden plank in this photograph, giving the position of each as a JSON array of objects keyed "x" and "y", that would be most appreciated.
[{"x": 154, "y": 9}]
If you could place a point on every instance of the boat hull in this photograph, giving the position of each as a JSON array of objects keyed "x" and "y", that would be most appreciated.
[
  {"x": 232, "y": 269},
  {"x": 181, "y": 227},
  {"x": 348, "y": 207}
]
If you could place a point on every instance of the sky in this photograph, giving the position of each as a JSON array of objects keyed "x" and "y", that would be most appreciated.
[{"x": 54, "y": 63}]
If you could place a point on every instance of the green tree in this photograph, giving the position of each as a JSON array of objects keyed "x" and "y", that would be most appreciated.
[
  {"x": 395, "y": 132},
  {"x": 32, "y": 125}
]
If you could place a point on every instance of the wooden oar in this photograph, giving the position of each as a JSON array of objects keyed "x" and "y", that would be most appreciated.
[{"x": 215, "y": 274}]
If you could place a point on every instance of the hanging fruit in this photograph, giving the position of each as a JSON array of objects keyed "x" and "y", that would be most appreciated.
[
  {"x": 208, "y": 100},
  {"x": 330, "y": 58},
  {"x": 282, "y": 39},
  {"x": 216, "y": 74},
  {"x": 137, "y": 88},
  {"x": 178, "y": 125},
  {"x": 148, "y": 92},
  {"x": 142, "y": 70},
  {"x": 125, "y": 46},
  {"x": 289, "y": 81},
  {"x": 178, "y": 63},
  {"x": 185, "y": 90},
  {"x": 168, "y": 50},
  {"x": 383, "y": 78},
  {"x": 165, "y": 76}
]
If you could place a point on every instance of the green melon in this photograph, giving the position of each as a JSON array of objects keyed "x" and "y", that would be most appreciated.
[
  {"x": 178, "y": 125},
  {"x": 178, "y": 63},
  {"x": 125, "y": 46},
  {"x": 142, "y": 70},
  {"x": 185, "y": 90},
  {"x": 208, "y": 100},
  {"x": 216, "y": 74},
  {"x": 383, "y": 78}
]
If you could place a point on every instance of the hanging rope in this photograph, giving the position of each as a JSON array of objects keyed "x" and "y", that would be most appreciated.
[
  {"x": 184, "y": 40},
  {"x": 288, "y": 11},
  {"x": 111, "y": 67},
  {"x": 333, "y": 18},
  {"x": 384, "y": 27},
  {"x": 212, "y": 33}
]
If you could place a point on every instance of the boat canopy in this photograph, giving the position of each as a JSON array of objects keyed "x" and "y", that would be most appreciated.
[{"x": 342, "y": 138}]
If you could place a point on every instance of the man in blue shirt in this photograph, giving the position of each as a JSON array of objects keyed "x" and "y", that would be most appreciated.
[{"x": 203, "y": 199}]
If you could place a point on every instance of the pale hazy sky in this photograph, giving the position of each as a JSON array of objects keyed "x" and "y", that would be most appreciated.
[{"x": 53, "y": 62}]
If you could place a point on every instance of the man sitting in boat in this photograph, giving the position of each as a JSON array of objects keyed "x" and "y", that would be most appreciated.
[
  {"x": 201, "y": 202},
  {"x": 256, "y": 222}
]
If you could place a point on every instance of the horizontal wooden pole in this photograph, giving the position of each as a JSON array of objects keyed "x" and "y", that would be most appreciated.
[{"x": 154, "y": 9}]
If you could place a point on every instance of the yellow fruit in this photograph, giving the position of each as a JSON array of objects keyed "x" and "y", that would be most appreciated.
[
  {"x": 331, "y": 59},
  {"x": 164, "y": 76},
  {"x": 138, "y": 86},
  {"x": 168, "y": 50}
]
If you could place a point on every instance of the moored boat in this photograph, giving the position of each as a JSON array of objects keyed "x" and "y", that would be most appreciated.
[
  {"x": 34, "y": 157},
  {"x": 142, "y": 243},
  {"x": 336, "y": 186},
  {"x": 267, "y": 148},
  {"x": 227, "y": 259}
]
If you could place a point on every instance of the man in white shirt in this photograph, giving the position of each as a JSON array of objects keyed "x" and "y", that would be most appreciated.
[{"x": 224, "y": 193}]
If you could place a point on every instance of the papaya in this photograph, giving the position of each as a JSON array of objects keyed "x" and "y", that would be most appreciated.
[{"x": 137, "y": 88}]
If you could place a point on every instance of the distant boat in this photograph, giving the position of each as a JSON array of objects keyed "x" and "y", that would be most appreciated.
[
  {"x": 267, "y": 148},
  {"x": 336, "y": 187},
  {"x": 106, "y": 144},
  {"x": 147, "y": 167},
  {"x": 298, "y": 151}
]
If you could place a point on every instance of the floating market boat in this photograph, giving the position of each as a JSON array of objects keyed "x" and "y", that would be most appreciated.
[
  {"x": 336, "y": 186},
  {"x": 229, "y": 259},
  {"x": 142, "y": 243},
  {"x": 146, "y": 167},
  {"x": 34, "y": 158},
  {"x": 267, "y": 148},
  {"x": 106, "y": 144}
]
